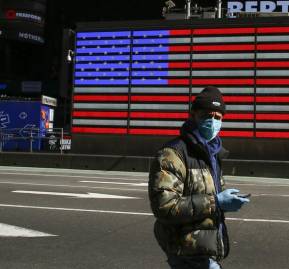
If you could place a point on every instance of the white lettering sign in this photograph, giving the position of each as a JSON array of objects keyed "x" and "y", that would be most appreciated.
[
  {"x": 46, "y": 100},
  {"x": 31, "y": 37},
  {"x": 28, "y": 16},
  {"x": 258, "y": 6},
  {"x": 65, "y": 144}
]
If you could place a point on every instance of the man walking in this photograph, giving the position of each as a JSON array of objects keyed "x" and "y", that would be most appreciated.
[{"x": 187, "y": 193}]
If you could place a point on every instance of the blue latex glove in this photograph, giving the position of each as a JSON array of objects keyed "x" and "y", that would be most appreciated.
[{"x": 229, "y": 201}]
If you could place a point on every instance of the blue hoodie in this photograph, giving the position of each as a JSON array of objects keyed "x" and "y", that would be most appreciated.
[{"x": 212, "y": 147}]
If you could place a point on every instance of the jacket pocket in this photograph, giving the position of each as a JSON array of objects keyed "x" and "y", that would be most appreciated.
[{"x": 200, "y": 242}]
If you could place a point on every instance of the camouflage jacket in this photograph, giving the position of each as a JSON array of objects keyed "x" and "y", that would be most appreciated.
[{"x": 182, "y": 197}]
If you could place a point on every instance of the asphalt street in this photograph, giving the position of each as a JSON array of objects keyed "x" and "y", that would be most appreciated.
[{"x": 76, "y": 219}]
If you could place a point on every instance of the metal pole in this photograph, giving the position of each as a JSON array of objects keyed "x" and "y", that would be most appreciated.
[
  {"x": 1, "y": 140},
  {"x": 61, "y": 141},
  {"x": 188, "y": 9},
  {"x": 219, "y": 9},
  {"x": 31, "y": 141}
]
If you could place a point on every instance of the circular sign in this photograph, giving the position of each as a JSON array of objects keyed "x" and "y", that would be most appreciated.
[{"x": 10, "y": 14}]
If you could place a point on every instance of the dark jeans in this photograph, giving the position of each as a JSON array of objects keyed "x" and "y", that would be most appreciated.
[{"x": 178, "y": 262}]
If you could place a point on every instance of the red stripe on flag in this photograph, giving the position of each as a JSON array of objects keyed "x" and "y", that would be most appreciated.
[
  {"x": 272, "y": 64},
  {"x": 179, "y": 48},
  {"x": 273, "y": 47},
  {"x": 272, "y": 99},
  {"x": 179, "y": 65},
  {"x": 234, "y": 116},
  {"x": 235, "y": 99},
  {"x": 160, "y": 98},
  {"x": 220, "y": 81},
  {"x": 224, "y": 31},
  {"x": 159, "y": 115},
  {"x": 239, "y": 99},
  {"x": 101, "y": 98},
  {"x": 274, "y": 117},
  {"x": 91, "y": 130},
  {"x": 268, "y": 30},
  {"x": 236, "y": 134},
  {"x": 179, "y": 81},
  {"x": 154, "y": 132},
  {"x": 223, "y": 64},
  {"x": 96, "y": 114},
  {"x": 180, "y": 32},
  {"x": 272, "y": 134},
  {"x": 223, "y": 48},
  {"x": 276, "y": 81}
]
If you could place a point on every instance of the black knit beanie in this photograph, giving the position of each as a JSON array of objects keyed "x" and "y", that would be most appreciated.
[{"x": 210, "y": 98}]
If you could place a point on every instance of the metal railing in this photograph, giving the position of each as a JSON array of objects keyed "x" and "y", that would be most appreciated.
[{"x": 35, "y": 139}]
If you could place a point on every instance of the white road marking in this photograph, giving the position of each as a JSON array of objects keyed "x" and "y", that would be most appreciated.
[
  {"x": 271, "y": 195},
  {"x": 259, "y": 220},
  {"x": 116, "y": 183},
  {"x": 128, "y": 213},
  {"x": 78, "y": 195},
  {"x": 69, "y": 186},
  {"x": 76, "y": 210},
  {"x": 260, "y": 184},
  {"x": 15, "y": 231},
  {"x": 72, "y": 171},
  {"x": 70, "y": 176}
]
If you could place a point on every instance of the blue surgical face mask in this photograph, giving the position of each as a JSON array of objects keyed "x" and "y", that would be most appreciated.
[{"x": 209, "y": 128}]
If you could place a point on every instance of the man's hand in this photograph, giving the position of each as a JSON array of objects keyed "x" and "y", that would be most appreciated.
[{"x": 229, "y": 201}]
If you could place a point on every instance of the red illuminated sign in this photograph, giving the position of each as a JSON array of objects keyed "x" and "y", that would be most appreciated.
[{"x": 10, "y": 14}]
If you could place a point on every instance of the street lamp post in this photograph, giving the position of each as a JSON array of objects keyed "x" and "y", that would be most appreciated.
[
  {"x": 188, "y": 9},
  {"x": 219, "y": 9}
]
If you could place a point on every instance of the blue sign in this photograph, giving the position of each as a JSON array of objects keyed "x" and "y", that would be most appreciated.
[
  {"x": 3, "y": 86},
  {"x": 18, "y": 121}
]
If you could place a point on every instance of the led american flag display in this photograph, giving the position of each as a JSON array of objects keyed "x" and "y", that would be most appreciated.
[{"x": 142, "y": 82}]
